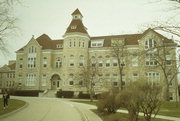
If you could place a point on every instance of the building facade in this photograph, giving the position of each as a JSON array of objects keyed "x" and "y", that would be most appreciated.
[
  {"x": 46, "y": 64},
  {"x": 7, "y": 76}
]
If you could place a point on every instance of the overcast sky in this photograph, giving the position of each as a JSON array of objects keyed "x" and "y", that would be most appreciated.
[{"x": 101, "y": 17}]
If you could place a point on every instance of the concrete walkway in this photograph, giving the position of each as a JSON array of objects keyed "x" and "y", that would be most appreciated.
[{"x": 51, "y": 109}]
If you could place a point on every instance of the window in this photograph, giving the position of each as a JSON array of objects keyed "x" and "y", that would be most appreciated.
[
  {"x": 81, "y": 60},
  {"x": 150, "y": 60},
  {"x": 70, "y": 44},
  {"x": 168, "y": 59},
  {"x": 93, "y": 61},
  {"x": 97, "y": 43},
  {"x": 134, "y": 59},
  {"x": 30, "y": 79},
  {"x": 83, "y": 44},
  {"x": 151, "y": 43},
  {"x": 135, "y": 76},
  {"x": 107, "y": 76},
  {"x": 31, "y": 62},
  {"x": 115, "y": 61},
  {"x": 100, "y": 61},
  {"x": 43, "y": 82},
  {"x": 115, "y": 83},
  {"x": 117, "y": 42},
  {"x": 153, "y": 77},
  {"x": 20, "y": 66},
  {"x": 100, "y": 75},
  {"x": 32, "y": 49},
  {"x": 74, "y": 27},
  {"x": 71, "y": 83},
  {"x": 71, "y": 60},
  {"x": 81, "y": 83},
  {"x": 122, "y": 61},
  {"x": 115, "y": 76},
  {"x": 58, "y": 62},
  {"x": 59, "y": 46},
  {"x": 107, "y": 61},
  {"x": 45, "y": 62}
]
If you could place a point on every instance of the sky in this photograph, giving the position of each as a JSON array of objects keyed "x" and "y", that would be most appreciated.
[{"x": 101, "y": 17}]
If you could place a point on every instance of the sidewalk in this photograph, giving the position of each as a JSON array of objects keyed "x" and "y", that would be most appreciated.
[{"x": 85, "y": 111}]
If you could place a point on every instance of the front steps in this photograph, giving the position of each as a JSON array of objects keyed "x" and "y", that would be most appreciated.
[{"x": 48, "y": 93}]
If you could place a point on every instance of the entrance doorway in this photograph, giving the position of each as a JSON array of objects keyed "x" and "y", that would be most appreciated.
[{"x": 55, "y": 81}]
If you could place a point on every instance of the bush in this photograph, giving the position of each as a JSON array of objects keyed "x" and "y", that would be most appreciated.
[
  {"x": 107, "y": 103},
  {"x": 32, "y": 93},
  {"x": 84, "y": 96},
  {"x": 65, "y": 94}
]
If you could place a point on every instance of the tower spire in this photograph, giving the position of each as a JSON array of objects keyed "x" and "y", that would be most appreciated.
[
  {"x": 77, "y": 14},
  {"x": 76, "y": 24}
]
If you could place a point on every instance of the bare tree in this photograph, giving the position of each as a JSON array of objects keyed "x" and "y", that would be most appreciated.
[
  {"x": 88, "y": 74},
  {"x": 119, "y": 52},
  {"x": 7, "y": 22},
  {"x": 163, "y": 58}
]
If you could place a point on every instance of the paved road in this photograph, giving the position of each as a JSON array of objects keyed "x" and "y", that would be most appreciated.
[{"x": 45, "y": 109}]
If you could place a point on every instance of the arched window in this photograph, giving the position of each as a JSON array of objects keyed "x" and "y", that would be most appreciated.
[
  {"x": 71, "y": 60},
  {"x": 151, "y": 43},
  {"x": 58, "y": 62},
  {"x": 81, "y": 60}
]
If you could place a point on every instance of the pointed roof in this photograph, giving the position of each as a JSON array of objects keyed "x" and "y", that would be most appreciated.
[
  {"x": 76, "y": 26},
  {"x": 76, "y": 12}
]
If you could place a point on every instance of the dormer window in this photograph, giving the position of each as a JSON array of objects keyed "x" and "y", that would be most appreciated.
[
  {"x": 73, "y": 27},
  {"x": 97, "y": 43},
  {"x": 59, "y": 46}
]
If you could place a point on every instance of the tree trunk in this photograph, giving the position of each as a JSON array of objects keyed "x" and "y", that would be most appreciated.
[{"x": 166, "y": 93}]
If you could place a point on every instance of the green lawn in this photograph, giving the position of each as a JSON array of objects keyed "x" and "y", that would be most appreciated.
[
  {"x": 167, "y": 108},
  {"x": 121, "y": 117},
  {"x": 13, "y": 105},
  {"x": 170, "y": 109}
]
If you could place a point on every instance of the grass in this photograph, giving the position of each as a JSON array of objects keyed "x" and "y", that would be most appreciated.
[
  {"x": 121, "y": 117},
  {"x": 13, "y": 105},
  {"x": 167, "y": 108},
  {"x": 170, "y": 109}
]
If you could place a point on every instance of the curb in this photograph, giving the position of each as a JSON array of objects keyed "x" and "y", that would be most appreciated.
[
  {"x": 83, "y": 116},
  {"x": 15, "y": 111}
]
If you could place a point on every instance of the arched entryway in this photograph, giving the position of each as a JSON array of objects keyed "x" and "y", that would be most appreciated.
[{"x": 55, "y": 81}]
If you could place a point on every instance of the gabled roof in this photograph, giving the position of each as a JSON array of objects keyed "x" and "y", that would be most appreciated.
[
  {"x": 12, "y": 66},
  {"x": 166, "y": 40},
  {"x": 47, "y": 43},
  {"x": 76, "y": 12},
  {"x": 79, "y": 27}
]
